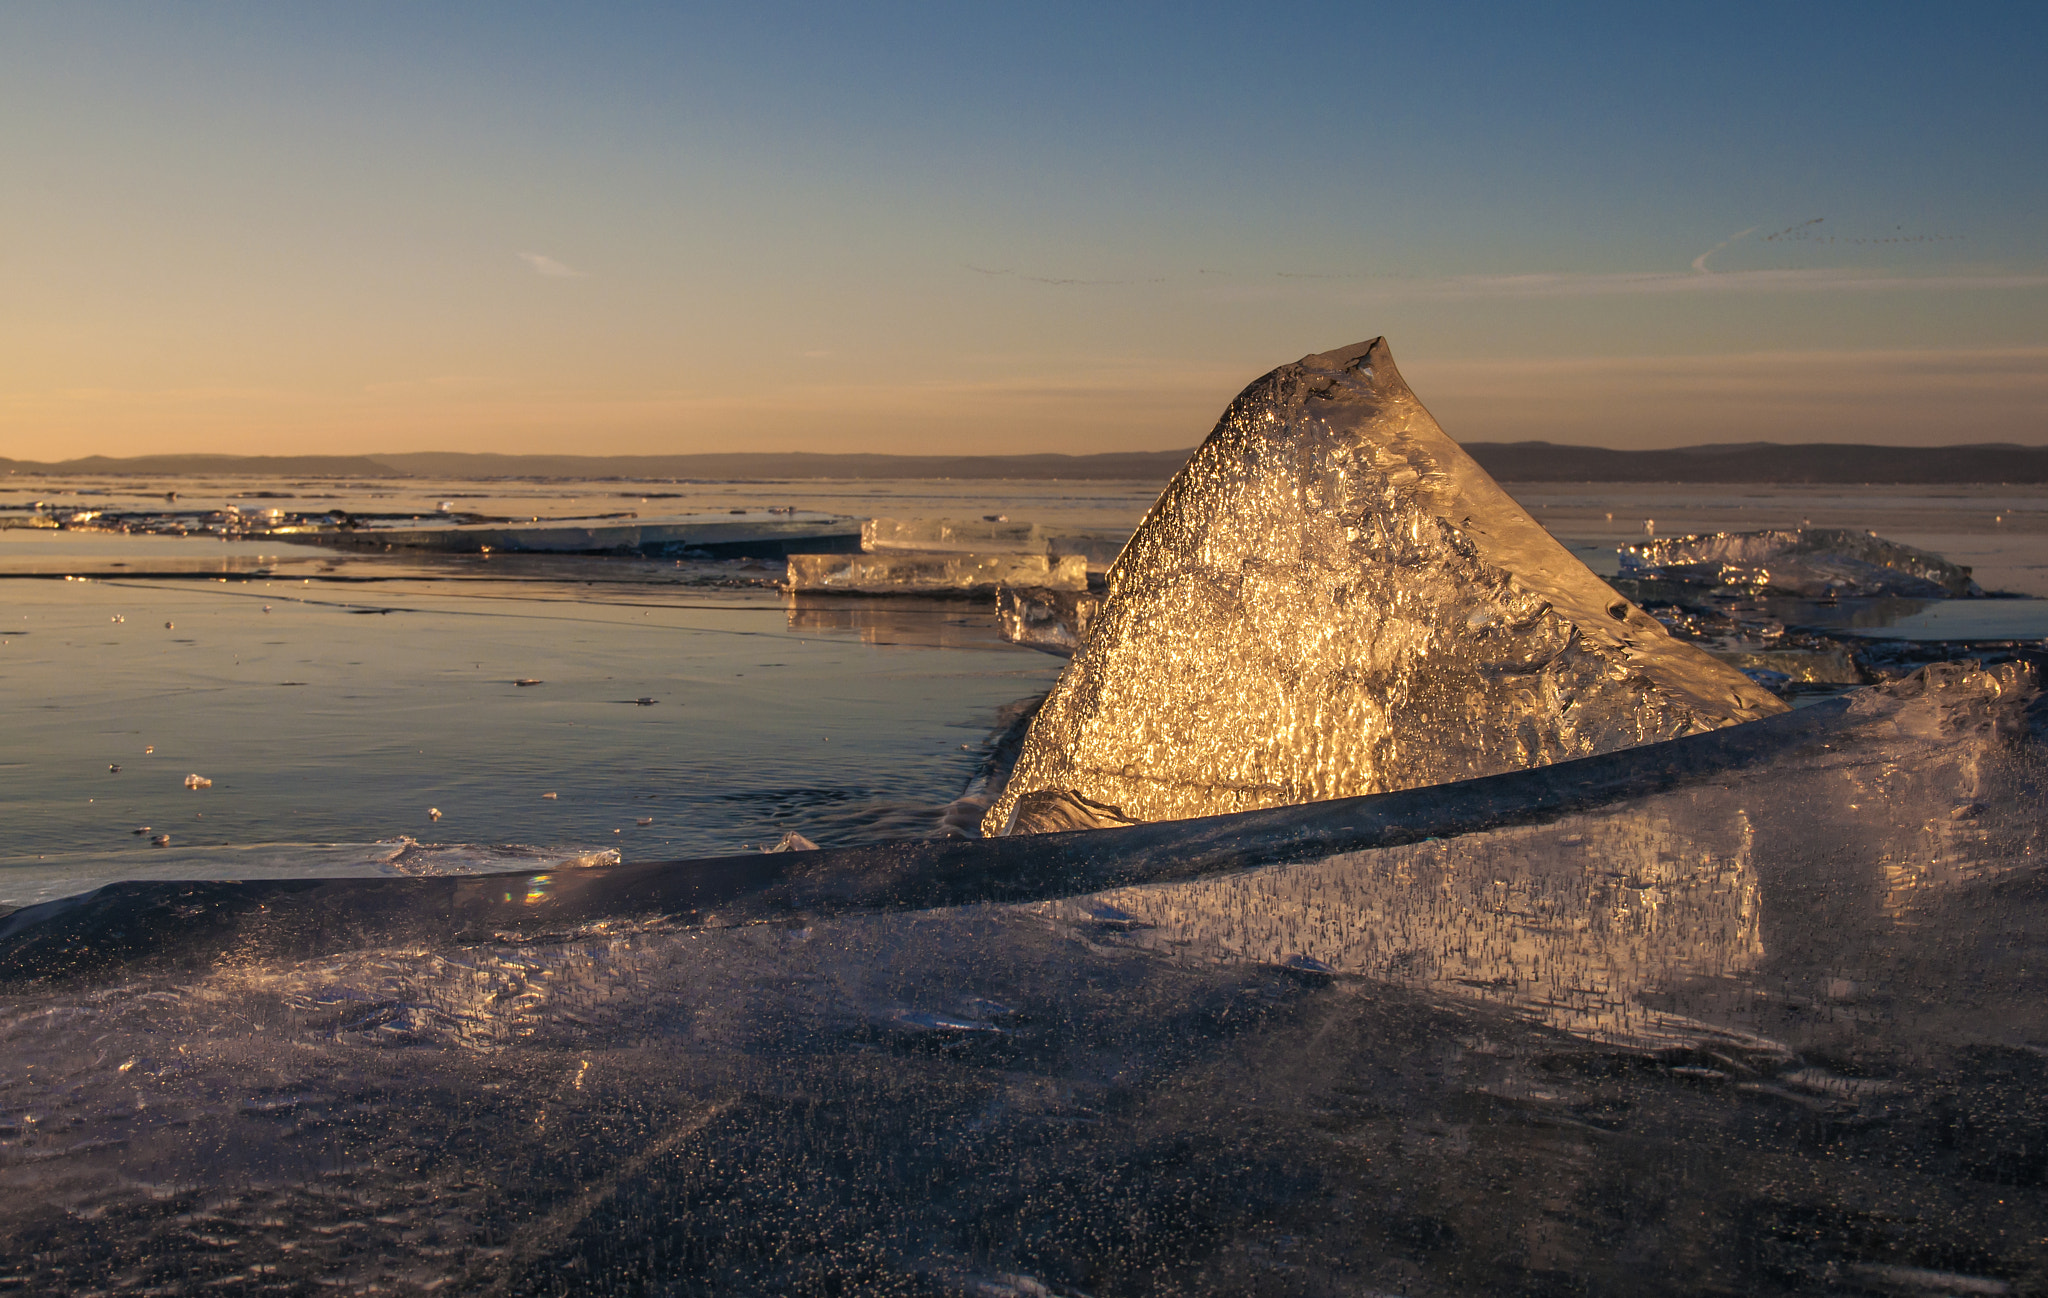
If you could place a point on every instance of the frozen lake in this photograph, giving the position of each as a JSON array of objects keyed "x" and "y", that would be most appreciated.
[{"x": 1762, "y": 1023}]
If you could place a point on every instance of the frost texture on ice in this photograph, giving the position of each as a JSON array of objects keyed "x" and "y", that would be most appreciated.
[
  {"x": 1587, "y": 922},
  {"x": 1333, "y": 599},
  {"x": 1815, "y": 562}
]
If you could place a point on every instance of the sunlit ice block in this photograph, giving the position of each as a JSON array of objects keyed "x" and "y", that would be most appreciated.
[
  {"x": 952, "y": 535},
  {"x": 990, "y": 536},
  {"x": 1332, "y": 599}
]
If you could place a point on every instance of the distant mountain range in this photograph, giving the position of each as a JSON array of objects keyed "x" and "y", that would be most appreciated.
[{"x": 1761, "y": 462}]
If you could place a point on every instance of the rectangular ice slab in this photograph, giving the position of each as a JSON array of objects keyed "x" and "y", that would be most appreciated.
[
  {"x": 952, "y": 535},
  {"x": 989, "y": 536},
  {"x": 716, "y": 536},
  {"x": 884, "y": 574}
]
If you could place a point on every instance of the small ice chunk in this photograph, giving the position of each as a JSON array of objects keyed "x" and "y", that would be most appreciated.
[
  {"x": 161, "y": 840},
  {"x": 1923, "y": 1280},
  {"x": 1815, "y": 562},
  {"x": 925, "y": 1021},
  {"x": 198, "y": 782},
  {"x": 792, "y": 842},
  {"x": 550, "y": 797},
  {"x": 1056, "y": 621},
  {"x": 433, "y": 813},
  {"x": 1006, "y": 1284}
]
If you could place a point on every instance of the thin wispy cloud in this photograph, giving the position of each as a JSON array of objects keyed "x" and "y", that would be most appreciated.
[
  {"x": 545, "y": 265},
  {"x": 1063, "y": 280},
  {"x": 1700, "y": 277},
  {"x": 1738, "y": 281},
  {"x": 1699, "y": 263}
]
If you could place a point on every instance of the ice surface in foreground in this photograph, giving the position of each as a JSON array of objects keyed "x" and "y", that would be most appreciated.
[
  {"x": 1333, "y": 599},
  {"x": 1812, "y": 561},
  {"x": 1772, "y": 1031}
]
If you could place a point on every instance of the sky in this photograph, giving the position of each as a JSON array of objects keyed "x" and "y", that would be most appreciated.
[{"x": 982, "y": 228}]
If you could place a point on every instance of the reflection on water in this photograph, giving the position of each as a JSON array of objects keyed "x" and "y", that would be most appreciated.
[
  {"x": 898, "y": 620},
  {"x": 341, "y": 713}
]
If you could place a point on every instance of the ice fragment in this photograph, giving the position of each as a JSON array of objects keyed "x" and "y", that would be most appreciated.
[
  {"x": 1811, "y": 561},
  {"x": 1056, "y": 621},
  {"x": 991, "y": 534}
]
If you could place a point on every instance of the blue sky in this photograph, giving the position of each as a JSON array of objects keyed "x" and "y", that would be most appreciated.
[{"x": 650, "y": 228}]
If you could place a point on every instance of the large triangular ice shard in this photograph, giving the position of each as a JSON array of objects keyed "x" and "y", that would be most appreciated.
[{"x": 1333, "y": 599}]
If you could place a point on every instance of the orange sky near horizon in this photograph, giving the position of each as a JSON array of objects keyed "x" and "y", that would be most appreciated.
[{"x": 236, "y": 230}]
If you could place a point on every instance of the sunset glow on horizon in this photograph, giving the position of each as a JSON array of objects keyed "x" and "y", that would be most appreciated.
[{"x": 651, "y": 229}]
